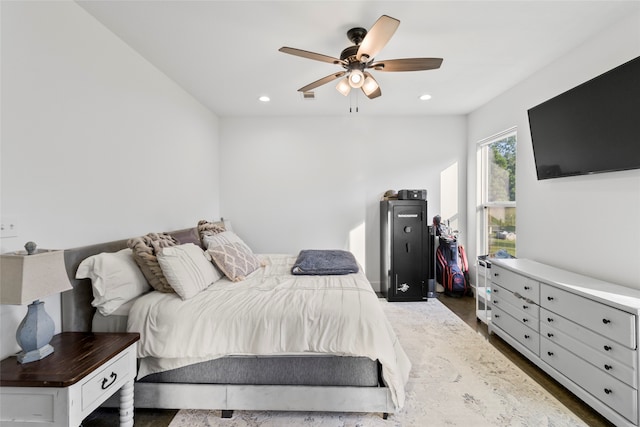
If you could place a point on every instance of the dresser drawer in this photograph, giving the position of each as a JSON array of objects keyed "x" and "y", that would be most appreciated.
[
  {"x": 604, "y": 345},
  {"x": 528, "y": 309},
  {"x": 523, "y": 334},
  {"x": 606, "y": 364},
  {"x": 603, "y": 319},
  {"x": 516, "y": 283},
  {"x": 614, "y": 393},
  {"x": 108, "y": 380}
]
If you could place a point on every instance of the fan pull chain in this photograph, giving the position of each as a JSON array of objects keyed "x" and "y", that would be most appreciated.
[{"x": 351, "y": 101}]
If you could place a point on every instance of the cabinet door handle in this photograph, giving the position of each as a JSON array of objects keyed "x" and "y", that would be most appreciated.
[
  {"x": 496, "y": 315},
  {"x": 608, "y": 367},
  {"x": 550, "y": 353},
  {"x": 495, "y": 291},
  {"x": 526, "y": 288},
  {"x": 525, "y": 306},
  {"x": 106, "y": 383},
  {"x": 608, "y": 390},
  {"x": 526, "y": 337},
  {"x": 496, "y": 274},
  {"x": 549, "y": 319},
  {"x": 606, "y": 321},
  {"x": 607, "y": 348},
  {"x": 549, "y": 334},
  {"x": 524, "y": 319},
  {"x": 550, "y": 298}
]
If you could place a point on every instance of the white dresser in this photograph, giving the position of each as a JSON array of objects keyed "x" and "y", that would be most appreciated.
[{"x": 582, "y": 331}]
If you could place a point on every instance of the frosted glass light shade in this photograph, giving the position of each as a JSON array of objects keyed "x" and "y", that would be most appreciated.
[
  {"x": 343, "y": 86},
  {"x": 356, "y": 79}
]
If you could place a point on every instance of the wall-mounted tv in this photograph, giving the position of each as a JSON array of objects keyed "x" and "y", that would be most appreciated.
[{"x": 592, "y": 128}]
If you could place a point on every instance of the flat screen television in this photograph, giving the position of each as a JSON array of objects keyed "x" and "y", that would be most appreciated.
[{"x": 592, "y": 128}]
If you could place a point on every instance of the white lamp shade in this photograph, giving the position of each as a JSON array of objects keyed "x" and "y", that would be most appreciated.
[
  {"x": 26, "y": 278},
  {"x": 356, "y": 78},
  {"x": 370, "y": 84},
  {"x": 343, "y": 86}
]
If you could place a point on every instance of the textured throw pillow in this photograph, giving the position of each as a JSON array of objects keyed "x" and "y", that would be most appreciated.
[
  {"x": 232, "y": 255},
  {"x": 208, "y": 228},
  {"x": 188, "y": 269},
  {"x": 145, "y": 249},
  {"x": 115, "y": 279}
]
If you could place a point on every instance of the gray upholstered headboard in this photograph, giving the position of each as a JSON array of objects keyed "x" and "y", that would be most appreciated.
[{"x": 77, "y": 311}]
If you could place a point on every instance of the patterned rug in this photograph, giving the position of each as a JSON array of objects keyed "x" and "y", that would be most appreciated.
[{"x": 457, "y": 379}]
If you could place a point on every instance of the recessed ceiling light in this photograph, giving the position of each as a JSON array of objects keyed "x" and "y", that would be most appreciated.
[
  {"x": 425, "y": 97},
  {"x": 264, "y": 98}
]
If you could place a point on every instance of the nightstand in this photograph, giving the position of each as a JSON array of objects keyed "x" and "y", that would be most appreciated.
[{"x": 65, "y": 387}]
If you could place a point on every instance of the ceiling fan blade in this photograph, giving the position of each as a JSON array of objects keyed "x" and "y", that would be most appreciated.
[
  {"x": 310, "y": 55},
  {"x": 377, "y": 38},
  {"x": 408, "y": 64},
  {"x": 322, "y": 81}
]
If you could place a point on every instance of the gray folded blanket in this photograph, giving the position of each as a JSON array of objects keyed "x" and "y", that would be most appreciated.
[{"x": 324, "y": 262}]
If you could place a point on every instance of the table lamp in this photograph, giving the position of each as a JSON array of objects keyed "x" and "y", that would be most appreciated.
[{"x": 26, "y": 277}]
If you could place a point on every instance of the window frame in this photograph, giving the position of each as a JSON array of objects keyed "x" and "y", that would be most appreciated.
[{"x": 483, "y": 185}]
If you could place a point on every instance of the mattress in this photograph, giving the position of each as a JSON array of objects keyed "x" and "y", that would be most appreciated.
[{"x": 270, "y": 313}]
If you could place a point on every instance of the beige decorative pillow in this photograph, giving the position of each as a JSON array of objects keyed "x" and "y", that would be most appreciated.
[
  {"x": 232, "y": 255},
  {"x": 188, "y": 269},
  {"x": 208, "y": 228},
  {"x": 145, "y": 250}
]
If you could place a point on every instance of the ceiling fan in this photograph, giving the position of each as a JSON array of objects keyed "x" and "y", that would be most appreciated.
[{"x": 358, "y": 58}]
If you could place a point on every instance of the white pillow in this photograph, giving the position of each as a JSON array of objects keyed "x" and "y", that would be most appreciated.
[
  {"x": 188, "y": 269},
  {"x": 115, "y": 279}
]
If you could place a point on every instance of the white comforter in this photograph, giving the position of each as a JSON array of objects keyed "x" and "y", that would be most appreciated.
[{"x": 271, "y": 312}]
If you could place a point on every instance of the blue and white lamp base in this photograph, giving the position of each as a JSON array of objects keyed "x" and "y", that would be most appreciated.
[{"x": 34, "y": 334}]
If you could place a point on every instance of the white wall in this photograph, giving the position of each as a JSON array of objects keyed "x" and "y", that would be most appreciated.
[
  {"x": 97, "y": 144},
  {"x": 292, "y": 183},
  {"x": 588, "y": 224}
]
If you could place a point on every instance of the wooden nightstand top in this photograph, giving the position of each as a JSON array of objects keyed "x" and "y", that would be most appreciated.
[{"x": 76, "y": 354}]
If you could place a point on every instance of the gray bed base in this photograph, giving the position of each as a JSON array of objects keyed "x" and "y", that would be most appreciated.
[{"x": 324, "y": 383}]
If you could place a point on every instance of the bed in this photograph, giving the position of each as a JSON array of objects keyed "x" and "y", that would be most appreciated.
[{"x": 289, "y": 342}]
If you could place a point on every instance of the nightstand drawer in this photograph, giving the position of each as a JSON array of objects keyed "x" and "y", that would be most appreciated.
[{"x": 107, "y": 381}]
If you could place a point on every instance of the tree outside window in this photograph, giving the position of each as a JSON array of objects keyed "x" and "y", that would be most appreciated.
[{"x": 497, "y": 227}]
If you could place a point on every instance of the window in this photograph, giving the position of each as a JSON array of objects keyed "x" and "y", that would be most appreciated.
[{"x": 497, "y": 210}]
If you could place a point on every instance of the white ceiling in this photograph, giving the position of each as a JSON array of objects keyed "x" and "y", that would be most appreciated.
[{"x": 225, "y": 53}]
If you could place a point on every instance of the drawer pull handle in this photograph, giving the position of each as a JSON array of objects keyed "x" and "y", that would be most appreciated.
[
  {"x": 606, "y": 321},
  {"x": 495, "y": 291},
  {"x": 608, "y": 390},
  {"x": 106, "y": 383},
  {"x": 549, "y": 319},
  {"x": 495, "y": 274},
  {"x": 550, "y": 353},
  {"x": 607, "y": 348},
  {"x": 608, "y": 367},
  {"x": 524, "y": 319},
  {"x": 549, "y": 334},
  {"x": 550, "y": 298},
  {"x": 526, "y": 288},
  {"x": 526, "y": 337},
  {"x": 496, "y": 315},
  {"x": 525, "y": 306}
]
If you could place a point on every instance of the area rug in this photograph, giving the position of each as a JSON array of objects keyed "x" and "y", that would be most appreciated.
[{"x": 457, "y": 379}]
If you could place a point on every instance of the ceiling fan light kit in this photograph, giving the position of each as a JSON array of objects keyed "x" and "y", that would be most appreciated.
[{"x": 360, "y": 57}]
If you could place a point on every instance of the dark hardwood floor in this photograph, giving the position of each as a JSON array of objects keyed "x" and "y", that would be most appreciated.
[{"x": 465, "y": 308}]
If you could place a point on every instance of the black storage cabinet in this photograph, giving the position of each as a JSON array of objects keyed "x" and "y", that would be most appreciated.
[{"x": 405, "y": 250}]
